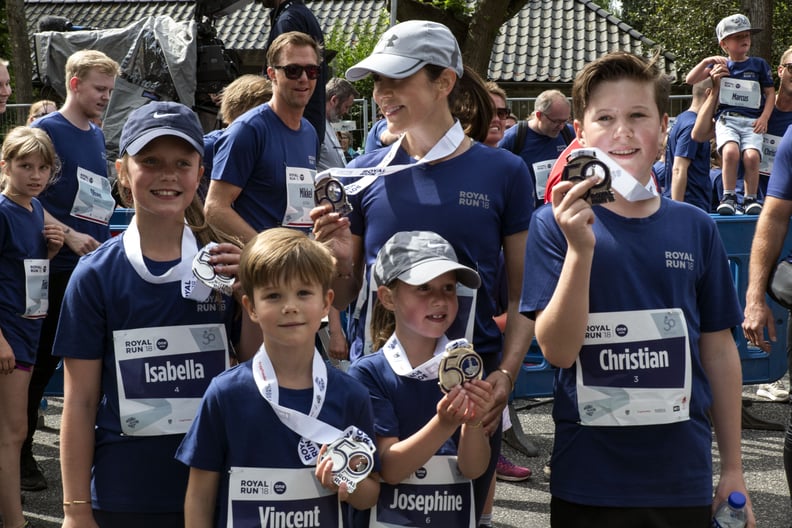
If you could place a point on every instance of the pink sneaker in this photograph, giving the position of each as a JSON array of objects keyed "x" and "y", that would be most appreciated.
[{"x": 508, "y": 470}]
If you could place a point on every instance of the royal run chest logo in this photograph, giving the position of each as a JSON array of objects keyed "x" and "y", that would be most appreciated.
[
  {"x": 474, "y": 199},
  {"x": 679, "y": 260}
]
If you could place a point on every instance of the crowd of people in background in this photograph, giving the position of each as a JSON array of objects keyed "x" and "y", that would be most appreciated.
[{"x": 185, "y": 398}]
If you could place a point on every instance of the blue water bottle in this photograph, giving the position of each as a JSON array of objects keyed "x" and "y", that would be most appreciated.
[{"x": 731, "y": 514}]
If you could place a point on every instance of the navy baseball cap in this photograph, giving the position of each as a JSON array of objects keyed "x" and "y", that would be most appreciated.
[
  {"x": 417, "y": 257},
  {"x": 156, "y": 119}
]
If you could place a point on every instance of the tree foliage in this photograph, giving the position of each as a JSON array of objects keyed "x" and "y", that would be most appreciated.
[
  {"x": 354, "y": 44},
  {"x": 686, "y": 28},
  {"x": 17, "y": 37},
  {"x": 475, "y": 26}
]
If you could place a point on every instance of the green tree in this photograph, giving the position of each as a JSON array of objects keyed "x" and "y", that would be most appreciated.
[
  {"x": 475, "y": 26},
  {"x": 686, "y": 28},
  {"x": 17, "y": 35},
  {"x": 354, "y": 44}
]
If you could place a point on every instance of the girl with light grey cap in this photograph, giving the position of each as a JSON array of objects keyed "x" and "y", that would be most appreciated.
[
  {"x": 418, "y": 426},
  {"x": 437, "y": 177}
]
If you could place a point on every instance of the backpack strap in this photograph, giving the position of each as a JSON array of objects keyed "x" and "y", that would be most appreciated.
[
  {"x": 567, "y": 134},
  {"x": 519, "y": 139}
]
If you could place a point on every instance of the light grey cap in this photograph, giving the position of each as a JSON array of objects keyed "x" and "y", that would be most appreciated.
[
  {"x": 417, "y": 257},
  {"x": 733, "y": 24},
  {"x": 406, "y": 48}
]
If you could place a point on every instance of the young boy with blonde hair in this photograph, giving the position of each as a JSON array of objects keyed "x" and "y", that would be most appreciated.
[
  {"x": 747, "y": 96},
  {"x": 253, "y": 449}
]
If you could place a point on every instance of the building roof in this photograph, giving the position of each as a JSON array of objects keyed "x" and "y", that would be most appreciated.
[
  {"x": 547, "y": 41},
  {"x": 550, "y": 41}
]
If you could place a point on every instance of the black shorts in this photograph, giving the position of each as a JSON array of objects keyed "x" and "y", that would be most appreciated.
[{"x": 565, "y": 514}]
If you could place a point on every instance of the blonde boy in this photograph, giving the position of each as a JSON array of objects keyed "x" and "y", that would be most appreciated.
[
  {"x": 246, "y": 430},
  {"x": 746, "y": 99}
]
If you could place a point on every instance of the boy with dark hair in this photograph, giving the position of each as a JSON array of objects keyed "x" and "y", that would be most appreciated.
[{"x": 641, "y": 333}]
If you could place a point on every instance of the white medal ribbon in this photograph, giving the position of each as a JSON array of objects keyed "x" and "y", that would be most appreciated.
[
  {"x": 191, "y": 288},
  {"x": 622, "y": 181},
  {"x": 312, "y": 430},
  {"x": 446, "y": 146},
  {"x": 400, "y": 364}
]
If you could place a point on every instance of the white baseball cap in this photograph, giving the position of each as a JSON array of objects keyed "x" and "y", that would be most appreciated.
[
  {"x": 733, "y": 24},
  {"x": 406, "y": 48}
]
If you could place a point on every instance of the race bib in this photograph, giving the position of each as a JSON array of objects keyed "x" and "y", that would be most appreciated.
[
  {"x": 634, "y": 369},
  {"x": 541, "y": 170},
  {"x": 272, "y": 498},
  {"x": 769, "y": 148},
  {"x": 36, "y": 288},
  {"x": 94, "y": 201},
  {"x": 163, "y": 373},
  {"x": 739, "y": 92},
  {"x": 435, "y": 495},
  {"x": 299, "y": 197}
]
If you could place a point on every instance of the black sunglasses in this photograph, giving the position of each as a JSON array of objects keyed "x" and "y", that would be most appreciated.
[
  {"x": 295, "y": 71},
  {"x": 788, "y": 67},
  {"x": 502, "y": 113}
]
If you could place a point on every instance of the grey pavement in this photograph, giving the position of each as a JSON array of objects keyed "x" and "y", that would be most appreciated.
[{"x": 524, "y": 504}]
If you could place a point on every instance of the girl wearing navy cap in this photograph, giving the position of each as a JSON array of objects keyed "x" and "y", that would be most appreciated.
[{"x": 140, "y": 337}]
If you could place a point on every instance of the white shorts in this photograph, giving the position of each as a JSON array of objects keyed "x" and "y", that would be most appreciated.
[{"x": 738, "y": 129}]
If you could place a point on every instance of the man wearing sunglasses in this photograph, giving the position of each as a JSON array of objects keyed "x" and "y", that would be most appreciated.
[
  {"x": 779, "y": 120},
  {"x": 771, "y": 231},
  {"x": 265, "y": 161},
  {"x": 294, "y": 15},
  {"x": 543, "y": 139}
]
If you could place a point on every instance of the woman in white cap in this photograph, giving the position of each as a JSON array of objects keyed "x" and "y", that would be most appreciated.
[
  {"x": 439, "y": 178},
  {"x": 140, "y": 338}
]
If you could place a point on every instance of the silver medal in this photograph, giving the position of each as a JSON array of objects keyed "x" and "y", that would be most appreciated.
[
  {"x": 330, "y": 190},
  {"x": 352, "y": 456},
  {"x": 205, "y": 273}
]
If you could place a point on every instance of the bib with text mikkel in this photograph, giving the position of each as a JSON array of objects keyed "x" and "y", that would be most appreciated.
[
  {"x": 275, "y": 498},
  {"x": 634, "y": 368}
]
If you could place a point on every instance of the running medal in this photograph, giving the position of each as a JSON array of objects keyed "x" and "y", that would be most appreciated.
[
  {"x": 460, "y": 363},
  {"x": 583, "y": 164},
  {"x": 352, "y": 456},
  {"x": 206, "y": 274},
  {"x": 330, "y": 190}
]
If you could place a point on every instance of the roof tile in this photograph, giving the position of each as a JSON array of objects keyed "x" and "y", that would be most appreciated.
[{"x": 548, "y": 39}]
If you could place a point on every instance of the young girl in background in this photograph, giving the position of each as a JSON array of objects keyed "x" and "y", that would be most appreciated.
[
  {"x": 28, "y": 165},
  {"x": 141, "y": 340},
  {"x": 418, "y": 428}
]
